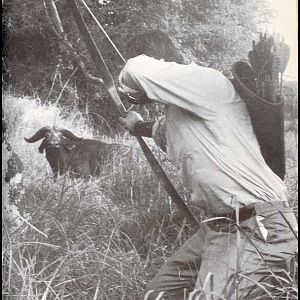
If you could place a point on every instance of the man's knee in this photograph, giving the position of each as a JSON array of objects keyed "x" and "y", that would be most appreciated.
[{"x": 178, "y": 275}]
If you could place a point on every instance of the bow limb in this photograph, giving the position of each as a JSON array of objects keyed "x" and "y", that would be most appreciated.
[{"x": 111, "y": 88}]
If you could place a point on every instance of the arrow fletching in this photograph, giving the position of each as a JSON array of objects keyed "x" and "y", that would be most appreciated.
[
  {"x": 284, "y": 54},
  {"x": 252, "y": 60}
]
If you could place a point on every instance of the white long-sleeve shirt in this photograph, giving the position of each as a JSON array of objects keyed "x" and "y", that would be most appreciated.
[{"x": 209, "y": 133}]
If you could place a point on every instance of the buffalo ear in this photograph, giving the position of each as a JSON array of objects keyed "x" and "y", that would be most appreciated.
[
  {"x": 42, "y": 146},
  {"x": 41, "y": 150}
]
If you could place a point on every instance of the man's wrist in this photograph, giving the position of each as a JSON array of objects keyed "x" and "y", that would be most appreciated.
[{"x": 141, "y": 128}]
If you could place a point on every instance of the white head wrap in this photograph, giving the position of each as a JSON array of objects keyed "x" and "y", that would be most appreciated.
[{"x": 126, "y": 88}]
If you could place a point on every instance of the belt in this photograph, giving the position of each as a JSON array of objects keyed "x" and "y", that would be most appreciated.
[{"x": 227, "y": 221}]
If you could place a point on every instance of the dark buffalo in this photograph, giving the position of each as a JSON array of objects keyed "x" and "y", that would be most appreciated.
[{"x": 67, "y": 152}]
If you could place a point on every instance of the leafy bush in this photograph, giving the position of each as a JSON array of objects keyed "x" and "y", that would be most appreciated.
[{"x": 214, "y": 33}]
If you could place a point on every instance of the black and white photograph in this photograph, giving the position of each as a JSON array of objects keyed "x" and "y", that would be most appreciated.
[{"x": 150, "y": 149}]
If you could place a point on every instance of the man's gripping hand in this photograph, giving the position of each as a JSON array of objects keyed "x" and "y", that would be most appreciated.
[{"x": 130, "y": 120}]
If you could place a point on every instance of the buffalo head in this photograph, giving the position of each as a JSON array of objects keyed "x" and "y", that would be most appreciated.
[
  {"x": 67, "y": 152},
  {"x": 57, "y": 143},
  {"x": 52, "y": 136}
]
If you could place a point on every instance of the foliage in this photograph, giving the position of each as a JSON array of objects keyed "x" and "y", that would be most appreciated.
[
  {"x": 108, "y": 234},
  {"x": 213, "y": 33},
  {"x": 291, "y": 138},
  {"x": 105, "y": 237}
]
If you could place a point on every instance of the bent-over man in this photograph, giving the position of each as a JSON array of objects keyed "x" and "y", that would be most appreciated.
[{"x": 207, "y": 134}]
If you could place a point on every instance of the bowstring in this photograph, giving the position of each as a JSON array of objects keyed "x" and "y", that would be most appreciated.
[
  {"x": 109, "y": 39},
  {"x": 103, "y": 30}
]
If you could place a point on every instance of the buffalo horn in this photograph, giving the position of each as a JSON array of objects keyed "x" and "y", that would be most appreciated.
[
  {"x": 38, "y": 135},
  {"x": 68, "y": 134}
]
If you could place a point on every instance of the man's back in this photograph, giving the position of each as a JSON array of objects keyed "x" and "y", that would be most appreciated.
[{"x": 209, "y": 133}]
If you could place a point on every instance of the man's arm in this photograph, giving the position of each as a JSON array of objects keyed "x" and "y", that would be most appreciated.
[
  {"x": 155, "y": 129},
  {"x": 191, "y": 87}
]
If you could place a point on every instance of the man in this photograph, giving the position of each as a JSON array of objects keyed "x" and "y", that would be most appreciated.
[{"x": 209, "y": 137}]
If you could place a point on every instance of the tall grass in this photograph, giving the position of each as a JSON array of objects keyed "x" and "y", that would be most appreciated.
[
  {"x": 99, "y": 239},
  {"x": 25, "y": 116}
]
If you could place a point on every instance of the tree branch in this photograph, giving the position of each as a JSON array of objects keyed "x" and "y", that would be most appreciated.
[{"x": 55, "y": 22}]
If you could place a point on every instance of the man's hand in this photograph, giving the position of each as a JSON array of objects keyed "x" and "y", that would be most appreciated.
[{"x": 131, "y": 119}]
